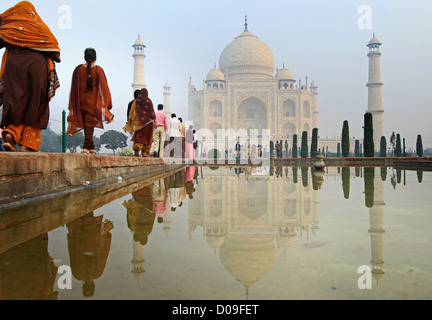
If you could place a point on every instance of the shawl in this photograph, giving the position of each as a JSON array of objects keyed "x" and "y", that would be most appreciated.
[
  {"x": 22, "y": 26},
  {"x": 141, "y": 113},
  {"x": 103, "y": 105}
]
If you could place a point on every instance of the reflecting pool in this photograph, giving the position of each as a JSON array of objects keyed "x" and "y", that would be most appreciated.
[{"x": 227, "y": 234}]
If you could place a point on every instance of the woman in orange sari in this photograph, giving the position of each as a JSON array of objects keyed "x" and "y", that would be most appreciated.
[
  {"x": 141, "y": 120},
  {"x": 90, "y": 101},
  {"x": 28, "y": 79}
]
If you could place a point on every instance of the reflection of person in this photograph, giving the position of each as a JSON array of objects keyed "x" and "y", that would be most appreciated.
[
  {"x": 141, "y": 121},
  {"x": 89, "y": 244},
  {"x": 176, "y": 190},
  {"x": 90, "y": 100},
  {"x": 160, "y": 195},
  {"x": 140, "y": 214},
  {"x": 190, "y": 176},
  {"x": 28, "y": 79},
  {"x": 27, "y": 272}
]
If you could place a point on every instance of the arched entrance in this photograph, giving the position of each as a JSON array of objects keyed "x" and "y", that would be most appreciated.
[{"x": 252, "y": 115}]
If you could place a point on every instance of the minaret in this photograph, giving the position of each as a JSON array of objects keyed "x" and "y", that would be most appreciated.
[
  {"x": 376, "y": 231},
  {"x": 138, "y": 260},
  {"x": 167, "y": 100},
  {"x": 139, "y": 56},
  {"x": 375, "y": 89}
]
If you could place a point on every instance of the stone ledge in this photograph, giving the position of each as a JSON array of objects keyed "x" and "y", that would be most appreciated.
[{"x": 24, "y": 174}]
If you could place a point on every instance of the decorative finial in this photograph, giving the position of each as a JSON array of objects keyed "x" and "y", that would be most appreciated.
[{"x": 246, "y": 22}]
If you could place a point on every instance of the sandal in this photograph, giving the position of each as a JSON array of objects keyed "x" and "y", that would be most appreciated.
[
  {"x": 9, "y": 143},
  {"x": 85, "y": 151},
  {"x": 93, "y": 152},
  {"x": 9, "y": 147}
]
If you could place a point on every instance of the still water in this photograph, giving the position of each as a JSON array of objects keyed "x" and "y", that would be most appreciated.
[{"x": 227, "y": 234}]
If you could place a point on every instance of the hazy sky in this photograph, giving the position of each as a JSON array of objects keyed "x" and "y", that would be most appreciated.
[{"x": 315, "y": 38}]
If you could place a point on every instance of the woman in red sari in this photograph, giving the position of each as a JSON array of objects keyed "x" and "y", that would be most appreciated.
[
  {"x": 141, "y": 120},
  {"x": 28, "y": 79},
  {"x": 90, "y": 100}
]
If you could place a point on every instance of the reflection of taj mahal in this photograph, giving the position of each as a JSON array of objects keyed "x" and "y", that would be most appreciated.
[
  {"x": 243, "y": 217},
  {"x": 246, "y": 218},
  {"x": 245, "y": 93}
]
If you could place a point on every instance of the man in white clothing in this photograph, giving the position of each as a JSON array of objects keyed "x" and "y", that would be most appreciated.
[{"x": 175, "y": 146}]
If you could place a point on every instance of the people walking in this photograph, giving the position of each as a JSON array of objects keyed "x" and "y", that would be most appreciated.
[
  {"x": 175, "y": 137},
  {"x": 161, "y": 130},
  {"x": 141, "y": 119},
  {"x": 28, "y": 78},
  {"x": 90, "y": 100},
  {"x": 183, "y": 137}
]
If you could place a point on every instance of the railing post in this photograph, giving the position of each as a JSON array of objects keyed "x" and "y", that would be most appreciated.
[{"x": 64, "y": 131}]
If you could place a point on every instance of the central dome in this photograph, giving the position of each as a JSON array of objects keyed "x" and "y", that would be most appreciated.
[{"x": 247, "y": 57}]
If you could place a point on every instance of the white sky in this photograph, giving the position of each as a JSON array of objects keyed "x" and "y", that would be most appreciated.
[{"x": 314, "y": 38}]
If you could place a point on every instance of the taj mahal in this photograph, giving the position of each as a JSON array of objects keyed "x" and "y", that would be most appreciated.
[{"x": 247, "y": 95}]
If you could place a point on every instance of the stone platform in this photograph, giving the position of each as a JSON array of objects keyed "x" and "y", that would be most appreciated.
[{"x": 43, "y": 175}]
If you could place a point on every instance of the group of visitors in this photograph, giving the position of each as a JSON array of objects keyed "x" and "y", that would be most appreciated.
[{"x": 28, "y": 82}]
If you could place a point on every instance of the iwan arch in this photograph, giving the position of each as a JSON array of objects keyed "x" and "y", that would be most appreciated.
[{"x": 247, "y": 92}]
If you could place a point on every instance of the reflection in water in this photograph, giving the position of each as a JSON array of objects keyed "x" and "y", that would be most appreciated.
[
  {"x": 346, "y": 180},
  {"x": 140, "y": 218},
  {"x": 244, "y": 216},
  {"x": 89, "y": 243},
  {"x": 27, "y": 272},
  {"x": 247, "y": 216}
]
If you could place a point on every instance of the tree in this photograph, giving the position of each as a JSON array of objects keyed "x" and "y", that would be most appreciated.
[
  {"x": 304, "y": 146},
  {"x": 114, "y": 140},
  {"x": 314, "y": 144},
  {"x": 97, "y": 143},
  {"x": 295, "y": 146},
  {"x": 357, "y": 149},
  {"x": 369, "y": 176},
  {"x": 72, "y": 143},
  {"x": 346, "y": 176},
  {"x": 49, "y": 142},
  {"x": 398, "y": 149},
  {"x": 345, "y": 140},
  {"x": 338, "y": 154},
  {"x": 369, "y": 146},
  {"x": 383, "y": 147},
  {"x": 419, "y": 146},
  {"x": 393, "y": 143}
]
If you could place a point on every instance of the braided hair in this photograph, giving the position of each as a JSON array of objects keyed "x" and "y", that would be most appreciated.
[{"x": 90, "y": 57}]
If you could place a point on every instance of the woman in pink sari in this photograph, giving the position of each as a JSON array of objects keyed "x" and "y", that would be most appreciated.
[{"x": 189, "y": 145}]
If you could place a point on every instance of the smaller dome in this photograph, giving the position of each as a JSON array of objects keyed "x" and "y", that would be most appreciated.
[
  {"x": 139, "y": 42},
  {"x": 314, "y": 85},
  {"x": 215, "y": 74},
  {"x": 374, "y": 41},
  {"x": 285, "y": 74}
]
